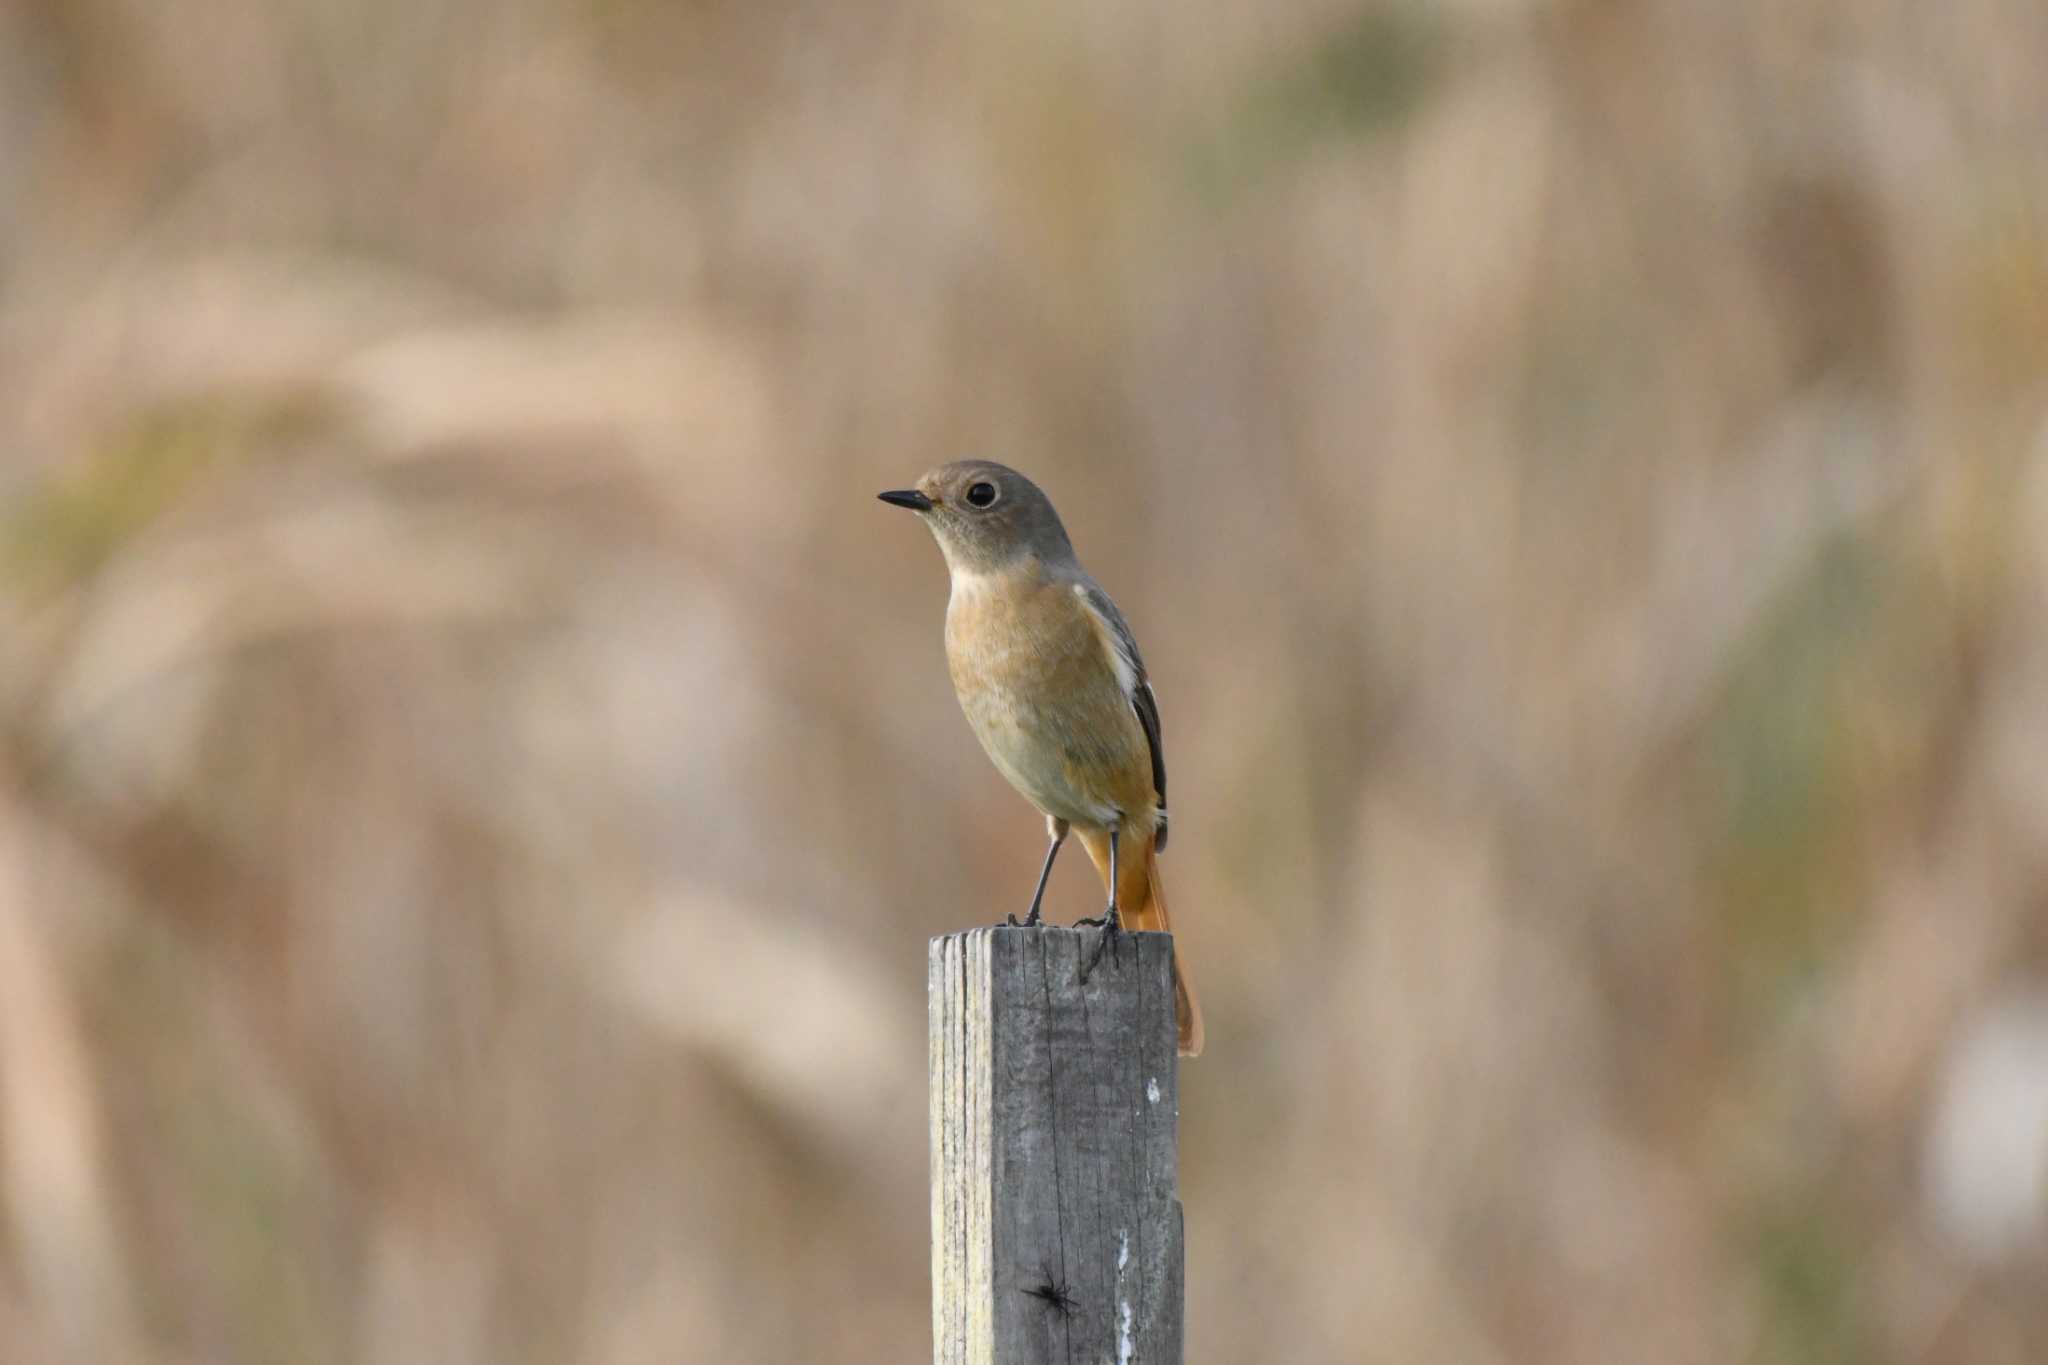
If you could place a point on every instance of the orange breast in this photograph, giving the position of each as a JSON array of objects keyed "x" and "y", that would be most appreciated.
[{"x": 1041, "y": 693}]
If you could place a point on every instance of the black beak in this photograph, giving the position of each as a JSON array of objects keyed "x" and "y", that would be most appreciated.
[{"x": 907, "y": 497}]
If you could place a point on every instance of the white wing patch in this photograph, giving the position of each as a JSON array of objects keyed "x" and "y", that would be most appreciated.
[{"x": 1119, "y": 658}]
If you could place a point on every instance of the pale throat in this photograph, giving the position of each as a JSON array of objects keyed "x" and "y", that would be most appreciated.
[{"x": 970, "y": 581}]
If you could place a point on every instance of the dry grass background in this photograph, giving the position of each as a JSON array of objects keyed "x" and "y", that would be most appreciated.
[{"x": 477, "y": 768}]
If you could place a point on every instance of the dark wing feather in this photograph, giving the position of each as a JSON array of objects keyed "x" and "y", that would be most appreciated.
[
  {"x": 1147, "y": 707},
  {"x": 1143, "y": 702}
]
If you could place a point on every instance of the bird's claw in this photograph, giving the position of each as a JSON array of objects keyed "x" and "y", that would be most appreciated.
[{"x": 1112, "y": 930}]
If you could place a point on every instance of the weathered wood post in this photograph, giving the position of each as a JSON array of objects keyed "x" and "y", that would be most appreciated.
[{"x": 1056, "y": 1219}]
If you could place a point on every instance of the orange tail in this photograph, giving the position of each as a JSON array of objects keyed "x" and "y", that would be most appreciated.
[{"x": 1141, "y": 901}]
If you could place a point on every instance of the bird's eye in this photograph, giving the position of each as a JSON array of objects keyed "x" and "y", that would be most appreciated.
[{"x": 981, "y": 495}]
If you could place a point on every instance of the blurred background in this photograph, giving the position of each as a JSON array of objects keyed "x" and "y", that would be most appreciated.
[{"x": 477, "y": 766}]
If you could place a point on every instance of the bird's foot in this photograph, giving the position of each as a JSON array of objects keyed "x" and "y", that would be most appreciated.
[
  {"x": 1030, "y": 921},
  {"x": 1112, "y": 930}
]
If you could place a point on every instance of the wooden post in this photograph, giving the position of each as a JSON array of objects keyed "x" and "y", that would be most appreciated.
[{"x": 1055, "y": 1105}]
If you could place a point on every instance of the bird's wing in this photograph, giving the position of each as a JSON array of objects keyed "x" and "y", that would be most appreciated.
[{"x": 1130, "y": 671}]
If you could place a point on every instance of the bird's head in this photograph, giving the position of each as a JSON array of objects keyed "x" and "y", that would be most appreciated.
[{"x": 986, "y": 516}]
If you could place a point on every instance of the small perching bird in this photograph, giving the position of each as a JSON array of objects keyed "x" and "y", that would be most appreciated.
[{"x": 1054, "y": 687}]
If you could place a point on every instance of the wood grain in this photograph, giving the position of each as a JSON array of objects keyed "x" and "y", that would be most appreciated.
[{"x": 1056, "y": 1217}]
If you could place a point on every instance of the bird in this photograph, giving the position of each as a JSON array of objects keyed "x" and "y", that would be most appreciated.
[{"x": 1051, "y": 681}]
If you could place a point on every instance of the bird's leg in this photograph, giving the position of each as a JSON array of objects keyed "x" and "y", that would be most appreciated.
[
  {"x": 1110, "y": 916},
  {"x": 1111, "y": 928},
  {"x": 1057, "y": 829}
]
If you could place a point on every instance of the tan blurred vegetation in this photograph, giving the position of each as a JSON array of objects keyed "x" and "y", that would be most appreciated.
[{"x": 477, "y": 767}]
